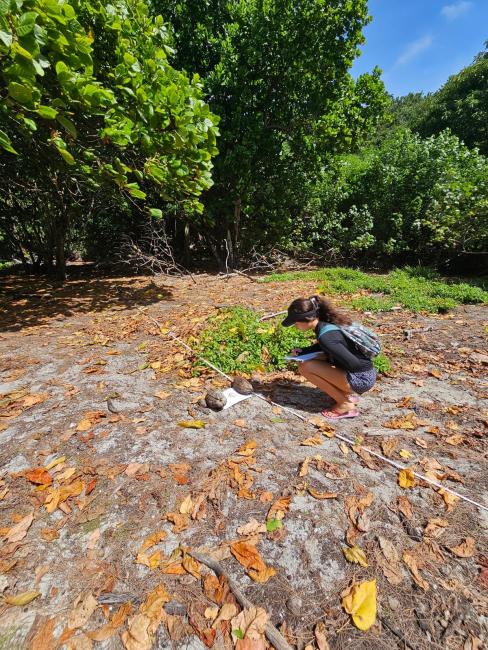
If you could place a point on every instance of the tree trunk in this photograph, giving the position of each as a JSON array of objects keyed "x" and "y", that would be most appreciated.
[
  {"x": 59, "y": 253},
  {"x": 237, "y": 226}
]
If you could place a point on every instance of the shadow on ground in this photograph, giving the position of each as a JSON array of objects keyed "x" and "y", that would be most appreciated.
[
  {"x": 30, "y": 301},
  {"x": 295, "y": 395}
]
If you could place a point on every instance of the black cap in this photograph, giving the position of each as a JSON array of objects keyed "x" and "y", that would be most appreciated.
[{"x": 295, "y": 316}]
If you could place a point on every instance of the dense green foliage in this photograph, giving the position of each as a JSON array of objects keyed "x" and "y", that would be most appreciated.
[
  {"x": 76, "y": 118},
  {"x": 418, "y": 289},
  {"x": 276, "y": 72},
  {"x": 108, "y": 122},
  {"x": 236, "y": 341},
  {"x": 406, "y": 200}
]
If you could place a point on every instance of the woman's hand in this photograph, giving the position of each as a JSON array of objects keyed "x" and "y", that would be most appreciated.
[{"x": 296, "y": 351}]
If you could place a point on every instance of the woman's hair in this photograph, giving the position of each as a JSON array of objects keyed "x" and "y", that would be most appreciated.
[{"x": 324, "y": 309}]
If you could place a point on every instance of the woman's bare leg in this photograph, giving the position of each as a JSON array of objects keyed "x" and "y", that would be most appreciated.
[{"x": 330, "y": 380}]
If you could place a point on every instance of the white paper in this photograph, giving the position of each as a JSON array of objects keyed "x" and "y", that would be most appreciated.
[
  {"x": 233, "y": 397},
  {"x": 304, "y": 357}
]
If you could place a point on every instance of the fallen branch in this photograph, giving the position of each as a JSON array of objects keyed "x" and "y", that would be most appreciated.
[{"x": 275, "y": 637}]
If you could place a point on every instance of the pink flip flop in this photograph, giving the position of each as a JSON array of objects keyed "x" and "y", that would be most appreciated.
[
  {"x": 333, "y": 415},
  {"x": 354, "y": 399}
]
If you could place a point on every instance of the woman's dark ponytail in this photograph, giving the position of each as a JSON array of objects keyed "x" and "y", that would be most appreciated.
[{"x": 327, "y": 313}]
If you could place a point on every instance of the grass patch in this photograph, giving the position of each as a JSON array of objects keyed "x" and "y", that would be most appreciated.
[
  {"x": 419, "y": 289},
  {"x": 235, "y": 341}
]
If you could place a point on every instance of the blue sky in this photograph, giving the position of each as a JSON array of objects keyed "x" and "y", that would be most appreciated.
[{"x": 418, "y": 44}]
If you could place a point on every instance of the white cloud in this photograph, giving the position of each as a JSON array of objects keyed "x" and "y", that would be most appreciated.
[
  {"x": 451, "y": 12},
  {"x": 414, "y": 49}
]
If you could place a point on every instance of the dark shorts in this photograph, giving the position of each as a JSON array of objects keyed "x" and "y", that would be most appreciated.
[{"x": 362, "y": 381}]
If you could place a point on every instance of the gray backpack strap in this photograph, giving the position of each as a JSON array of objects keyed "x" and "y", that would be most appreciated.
[{"x": 327, "y": 328}]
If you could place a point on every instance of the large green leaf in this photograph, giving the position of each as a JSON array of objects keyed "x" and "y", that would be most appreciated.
[
  {"x": 6, "y": 143},
  {"x": 20, "y": 92},
  {"x": 47, "y": 112},
  {"x": 25, "y": 23},
  {"x": 6, "y": 38}
]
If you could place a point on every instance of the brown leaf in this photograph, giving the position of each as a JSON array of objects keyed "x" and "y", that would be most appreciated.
[
  {"x": 227, "y": 611},
  {"x": 252, "y": 624},
  {"x": 455, "y": 440},
  {"x": 409, "y": 422},
  {"x": 39, "y": 476},
  {"x": 43, "y": 638},
  {"x": 322, "y": 495},
  {"x": 411, "y": 561},
  {"x": 279, "y": 508},
  {"x": 240, "y": 423},
  {"x": 449, "y": 499},
  {"x": 405, "y": 507},
  {"x": 321, "y": 636},
  {"x": 179, "y": 472},
  {"x": 247, "y": 555},
  {"x": 83, "y": 608},
  {"x": 49, "y": 534},
  {"x": 248, "y": 448},
  {"x": 388, "y": 446},
  {"x": 186, "y": 506},
  {"x": 316, "y": 441},
  {"x": 153, "y": 539},
  {"x": 19, "y": 531},
  {"x": 180, "y": 521},
  {"x": 435, "y": 527},
  {"x": 406, "y": 478},
  {"x": 109, "y": 629},
  {"x": 253, "y": 526},
  {"x": 191, "y": 566},
  {"x": 466, "y": 548}
]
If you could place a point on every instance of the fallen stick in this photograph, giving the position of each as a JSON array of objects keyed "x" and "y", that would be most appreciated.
[{"x": 272, "y": 634}]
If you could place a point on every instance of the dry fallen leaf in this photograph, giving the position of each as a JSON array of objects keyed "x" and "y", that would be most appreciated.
[
  {"x": 186, "y": 507},
  {"x": 251, "y": 623},
  {"x": 227, "y": 611},
  {"x": 161, "y": 394},
  {"x": 19, "y": 600},
  {"x": 449, "y": 499},
  {"x": 83, "y": 608},
  {"x": 406, "y": 478},
  {"x": 180, "y": 521},
  {"x": 411, "y": 561},
  {"x": 253, "y": 526},
  {"x": 409, "y": 422},
  {"x": 247, "y": 555},
  {"x": 248, "y": 448},
  {"x": 153, "y": 539},
  {"x": 192, "y": 424},
  {"x": 39, "y": 476},
  {"x": 435, "y": 527},
  {"x": 279, "y": 508},
  {"x": 321, "y": 636},
  {"x": 405, "y": 507},
  {"x": 304, "y": 467},
  {"x": 466, "y": 548},
  {"x": 404, "y": 453},
  {"x": 109, "y": 629},
  {"x": 388, "y": 446},
  {"x": 19, "y": 531},
  {"x": 356, "y": 555},
  {"x": 316, "y": 441},
  {"x": 359, "y": 600},
  {"x": 455, "y": 440},
  {"x": 322, "y": 495}
]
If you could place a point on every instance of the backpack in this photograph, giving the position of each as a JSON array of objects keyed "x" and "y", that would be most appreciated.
[{"x": 363, "y": 339}]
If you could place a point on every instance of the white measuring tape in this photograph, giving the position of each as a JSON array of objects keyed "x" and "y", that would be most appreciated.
[{"x": 388, "y": 461}]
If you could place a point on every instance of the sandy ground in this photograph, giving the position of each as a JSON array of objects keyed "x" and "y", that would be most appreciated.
[{"x": 80, "y": 366}]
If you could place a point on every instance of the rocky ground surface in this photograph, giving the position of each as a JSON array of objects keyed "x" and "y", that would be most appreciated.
[{"x": 103, "y": 492}]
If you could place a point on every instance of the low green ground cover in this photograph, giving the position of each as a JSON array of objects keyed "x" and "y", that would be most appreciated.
[{"x": 418, "y": 289}]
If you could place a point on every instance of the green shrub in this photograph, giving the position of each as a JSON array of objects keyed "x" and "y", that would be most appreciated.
[
  {"x": 418, "y": 288},
  {"x": 382, "y": 363},
  {"x": 235, "y": 340}
]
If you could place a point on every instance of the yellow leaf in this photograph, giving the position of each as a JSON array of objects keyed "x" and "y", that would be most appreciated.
[
  {"x": 360, "y": 601},
  {"x": 153, "y": 539},
  {"x": 316, "y": 441},
  {"x": 406, "y": 478},
  {"x": 186, "y": 507},
  {"x": 405, "y": 454},
  {"x": 449, "y": 499},
  {"x": 56, "y": 461},
  {"x": 248, "y": 448},
  {"x": 192, "y": 424},
  {"x": 161, "y": 394},
  {"x": 455, "y": 440},
  {"x": 356, "y": 555},
  {"x": 22, "y": 599}
]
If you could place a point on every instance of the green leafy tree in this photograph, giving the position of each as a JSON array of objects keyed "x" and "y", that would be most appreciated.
[
  {"x": 411, "y": 200},
  {"x": 70, "y": 124},
  {"x": 276, "y": 72}
]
